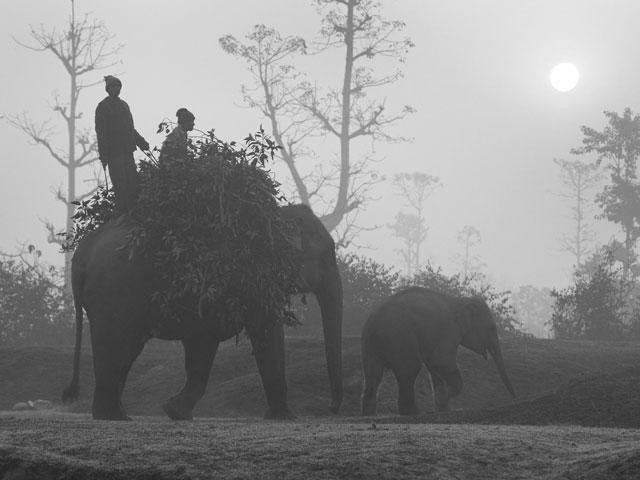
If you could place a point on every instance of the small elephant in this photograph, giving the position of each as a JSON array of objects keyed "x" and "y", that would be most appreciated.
[{"x": 419, "y": 326}]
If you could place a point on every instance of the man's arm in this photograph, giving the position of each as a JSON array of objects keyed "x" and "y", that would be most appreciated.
[{"x": 141, "y": 143}]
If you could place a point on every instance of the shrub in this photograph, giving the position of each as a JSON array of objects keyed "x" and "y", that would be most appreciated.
[
  {"x": 32, "y": 309},
  {"x": 596, "y": 305},
  {"x": 474, "y": 285},
  {"x": 366, "y": 282}
]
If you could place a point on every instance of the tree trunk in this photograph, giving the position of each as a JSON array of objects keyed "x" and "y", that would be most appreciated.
[{"x": 332, "y": 220}]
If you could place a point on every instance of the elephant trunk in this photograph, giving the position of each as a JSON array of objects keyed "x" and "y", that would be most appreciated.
[
  {"x": 329, "y": 297},
  {"x": 496, "y": 354}
]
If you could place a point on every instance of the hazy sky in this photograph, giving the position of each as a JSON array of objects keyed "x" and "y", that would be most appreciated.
[{"x": 488, "y": 122}]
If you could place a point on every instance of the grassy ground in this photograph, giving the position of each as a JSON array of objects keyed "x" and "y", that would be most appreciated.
[
  {"x": 37, "y": 446},
  {"x": 594, "y": 384},
  {"x": 564, "y": 385}
]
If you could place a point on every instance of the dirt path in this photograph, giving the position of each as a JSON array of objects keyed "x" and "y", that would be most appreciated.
[{"x": 73, "y": 446}]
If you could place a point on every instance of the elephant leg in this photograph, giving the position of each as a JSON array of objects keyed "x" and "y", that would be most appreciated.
[
  {"x": 268, "y": 350},
  {"x": 440, "y": 394},
  {"x": 199, "y": 352},
  {"x": 373, "y": 370},
  {"x": 454, "y": 383},
  {"x": 406, "y": 390},
  {"x": 114, "y": 351},
  {"x": 445, "y": 387},
  {"x": 445, "y": 376}
]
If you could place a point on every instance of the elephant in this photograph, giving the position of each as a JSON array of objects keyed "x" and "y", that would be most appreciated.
[
  {"x": 116, "y": 293},
  {"x": 420, "y": 326}
]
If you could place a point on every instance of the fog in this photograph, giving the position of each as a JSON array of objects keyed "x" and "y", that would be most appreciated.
[{"x": 487, "y": 121}]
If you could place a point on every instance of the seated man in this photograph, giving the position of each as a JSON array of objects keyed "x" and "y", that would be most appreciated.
[{"x": 175, "y": 145}]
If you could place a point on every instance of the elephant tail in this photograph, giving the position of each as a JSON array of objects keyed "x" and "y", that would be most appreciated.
[{"x": 72, "y": 392}]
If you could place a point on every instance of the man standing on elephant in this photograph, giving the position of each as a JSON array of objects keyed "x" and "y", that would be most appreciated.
[{"x": 117, "y": 140}]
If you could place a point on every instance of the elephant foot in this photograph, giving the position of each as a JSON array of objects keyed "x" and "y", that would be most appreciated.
[
  {"x": 174, "y": 412},
  {"x": 106, "y": 410},
  {"x": 279, "y": 414},
  {"x": 368, "y": 408},
  {"x": 410, "y": 411},
  {"x": 119, "y": 416}
]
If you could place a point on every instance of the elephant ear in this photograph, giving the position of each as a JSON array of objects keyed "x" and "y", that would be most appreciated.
[
  {"x": 307, "y": 232},
  {"x": 471, "y": 311},
  {"x": 464, "y": 314},
  {"x": 296, "y": 235}
]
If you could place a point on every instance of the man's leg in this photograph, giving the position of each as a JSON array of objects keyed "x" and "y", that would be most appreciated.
[
  {"x": 119, "y": 182},
  {"x": 133, "y": 184}
]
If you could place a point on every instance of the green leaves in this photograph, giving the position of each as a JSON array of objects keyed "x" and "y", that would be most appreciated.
[{"x": 89, "y": 215}]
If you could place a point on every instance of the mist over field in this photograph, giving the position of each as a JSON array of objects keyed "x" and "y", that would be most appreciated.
[{"x": 350, "y": 239}]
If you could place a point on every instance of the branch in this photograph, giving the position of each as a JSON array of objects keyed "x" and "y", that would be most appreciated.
[
  {"x": 324, "y": 120},
  {"x": 60, "y": 196},
  {"x": 89, "y": 146},
  {"x": 88, "y": 194},
  {"x": 40, "y": 134},
  {"x": 54, "y": 237}
]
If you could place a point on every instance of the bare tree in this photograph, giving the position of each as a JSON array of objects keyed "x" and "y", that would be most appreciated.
[
  {"x": 469, "y": 237},
  {"x": 347, "y": 112},
  {"x": 413, "y": 232},
  {"x": 415, "y": 188},
  {"x": 579, "y": 180},
  {"x": 275, "y": 92},
  {"x": 82, "y": 47},
  {"x": 297, "y": 110}
]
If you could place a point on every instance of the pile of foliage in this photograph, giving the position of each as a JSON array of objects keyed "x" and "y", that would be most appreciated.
[
  {"x": 31, "y": 303},
  {"x": 602, "y": 303},
  {"x": 209, "y": 224}
]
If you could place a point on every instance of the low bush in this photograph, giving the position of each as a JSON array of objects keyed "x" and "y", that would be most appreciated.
[{"x": 32, "y": 307}]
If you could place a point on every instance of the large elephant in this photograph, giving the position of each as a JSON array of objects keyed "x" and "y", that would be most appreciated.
[
  {"x": 419, "y": 326},
  {"x": 116, "y": 294}
]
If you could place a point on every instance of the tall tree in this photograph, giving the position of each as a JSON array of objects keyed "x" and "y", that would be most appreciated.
[
  {"x": 82, "y": 47},
  {"x": 299, "y": 109},
  {"x": 469, "y": 237},
  {"x": 579, "y": 180},
  {"x": 533, "y": 309},
  {"x": 274, "y": 93},
  {"x": 413, "y": 232},
  {"x": 414, "y": 188},
  {"x": 618, "y": 146}
]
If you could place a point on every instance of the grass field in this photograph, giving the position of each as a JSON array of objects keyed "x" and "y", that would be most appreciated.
[
  {"x": 563, "y": 388},
  {"x": 38, "y": 446}
]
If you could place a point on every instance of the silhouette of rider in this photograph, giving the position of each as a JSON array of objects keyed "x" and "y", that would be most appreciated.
[
  {"x": 117, "y": 140},
  {"x": 175, "y": 145}
]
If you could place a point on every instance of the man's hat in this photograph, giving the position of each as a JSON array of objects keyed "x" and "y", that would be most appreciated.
[
  {"x": 111, "y": 80},
  {"x": 184, "y": 115}
]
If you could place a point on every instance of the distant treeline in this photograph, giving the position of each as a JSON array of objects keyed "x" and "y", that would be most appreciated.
[{"x": 599, "y": 306}]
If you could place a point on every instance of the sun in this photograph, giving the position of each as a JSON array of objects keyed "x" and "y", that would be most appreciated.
[{"x": 564, "y": 77}]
